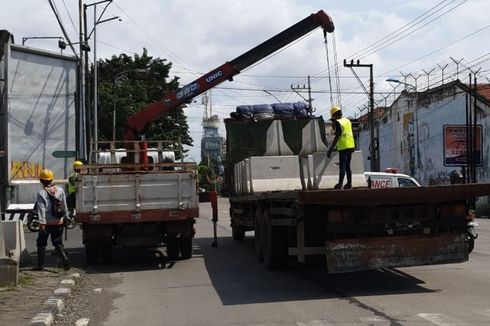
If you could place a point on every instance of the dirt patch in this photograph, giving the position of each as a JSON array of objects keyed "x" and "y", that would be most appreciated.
[{"x": 19, "y": 304}]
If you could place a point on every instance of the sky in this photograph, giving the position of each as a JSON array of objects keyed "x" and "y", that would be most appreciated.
[{"x": 419, "y": 42}]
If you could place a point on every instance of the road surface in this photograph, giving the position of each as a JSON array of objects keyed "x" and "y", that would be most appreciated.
[{"x": 227, "y": 286}]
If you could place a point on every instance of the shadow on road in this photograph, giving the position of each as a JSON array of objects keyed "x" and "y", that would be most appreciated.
[{"x": 239, "y": 278}]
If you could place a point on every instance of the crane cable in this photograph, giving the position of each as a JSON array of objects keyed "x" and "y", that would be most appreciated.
[
  {"x": 328, "y": 68},
  {"x": 335, "y": 72}
]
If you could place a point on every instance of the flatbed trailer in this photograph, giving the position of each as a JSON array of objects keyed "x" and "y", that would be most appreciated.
[{"x": 359, "y": 229}]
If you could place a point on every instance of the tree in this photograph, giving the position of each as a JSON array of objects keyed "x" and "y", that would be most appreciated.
[{"x": 141, "y": 80}]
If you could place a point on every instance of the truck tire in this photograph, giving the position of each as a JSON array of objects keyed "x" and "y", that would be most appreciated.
[
  {"x": 274, "y": 244},
  {"x": 172, "y": 248},
  {"x": 185, "y": 248},
  {"x": 92, "y": 254},
  {"x": 257, "y": 238},
  {"x": 237, "y": 232},
  {"x": 106, "y": 253}
]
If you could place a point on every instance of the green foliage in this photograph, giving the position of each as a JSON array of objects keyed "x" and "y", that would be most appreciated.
[
  {"x": 207, "y": 177},
  {"x": 132, "y": 83}
]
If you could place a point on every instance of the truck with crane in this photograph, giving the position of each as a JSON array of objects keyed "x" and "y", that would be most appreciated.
[
  {"x": 142, "y": 202},
  {"x": 280, "y": 181}
]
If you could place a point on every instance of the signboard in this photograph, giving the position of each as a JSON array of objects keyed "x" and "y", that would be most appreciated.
[
  {"x": 64, "y": 154},
  {"x": 455, "y": 145}
]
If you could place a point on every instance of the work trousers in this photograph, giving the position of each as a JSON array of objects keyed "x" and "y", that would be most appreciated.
[{"x": 56, "y": 232}]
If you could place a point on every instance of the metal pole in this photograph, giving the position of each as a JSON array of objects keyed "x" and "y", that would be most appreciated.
[
  {"x": 114, "y": 111},
  {"x": 81, "y": 150},
  {"x": 474, "y": 130},
  {"x": 374, "y": 154},
  {"x": 96, "y": 109}
]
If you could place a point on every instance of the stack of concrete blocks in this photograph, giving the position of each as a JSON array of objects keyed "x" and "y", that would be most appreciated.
[
  {"x": 280, "y": 170},
  {"x": 13, "y": 252}
]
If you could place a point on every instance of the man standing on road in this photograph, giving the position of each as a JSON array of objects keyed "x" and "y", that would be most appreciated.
[
  {"x": 344, "y": 141},
  {"x": 51, "y": 210}
]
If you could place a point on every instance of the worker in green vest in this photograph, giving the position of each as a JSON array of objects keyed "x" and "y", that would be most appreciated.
[
  {"x": 71, "y": 189},
  {"x": 344, "y": 141}
]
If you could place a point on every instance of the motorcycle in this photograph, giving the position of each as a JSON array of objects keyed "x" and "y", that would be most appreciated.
[{"x": 33, "y": 220}]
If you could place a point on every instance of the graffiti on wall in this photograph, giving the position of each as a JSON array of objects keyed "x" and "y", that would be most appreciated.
[
  {"x": 409, "y": 142},
  {"x": 25, "y": 170}
]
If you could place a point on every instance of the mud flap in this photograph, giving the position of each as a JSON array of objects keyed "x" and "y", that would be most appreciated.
[{"x": 350, "y": 255}]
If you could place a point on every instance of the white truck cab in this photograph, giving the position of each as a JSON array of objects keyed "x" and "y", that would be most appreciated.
[{"x": 389, "y": 179}]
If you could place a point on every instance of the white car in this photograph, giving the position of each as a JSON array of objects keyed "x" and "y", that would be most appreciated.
[{"x": 389, "y": 180}]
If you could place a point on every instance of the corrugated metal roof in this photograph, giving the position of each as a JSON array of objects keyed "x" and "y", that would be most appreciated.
[{"x": 484, "y": 91}]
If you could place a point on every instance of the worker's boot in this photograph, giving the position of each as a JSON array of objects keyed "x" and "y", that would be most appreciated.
[
  {"x": 337, "y": 186},
  {"x": 64, "y": 258},
  {"x": 41, "y": 252},
  {"x": 348, "y": 186}
]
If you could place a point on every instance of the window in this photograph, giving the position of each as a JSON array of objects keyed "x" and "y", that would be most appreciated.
[{"x": 403, "y": 183}]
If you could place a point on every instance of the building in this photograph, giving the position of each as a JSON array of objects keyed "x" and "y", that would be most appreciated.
[{"x": 423, "y": 134}]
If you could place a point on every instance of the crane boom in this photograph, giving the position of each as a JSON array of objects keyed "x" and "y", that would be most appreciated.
[{"x": 138, "y": 122}]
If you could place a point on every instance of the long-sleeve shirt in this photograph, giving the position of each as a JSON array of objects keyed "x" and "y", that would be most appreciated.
[{"x": 44, "y": 206}]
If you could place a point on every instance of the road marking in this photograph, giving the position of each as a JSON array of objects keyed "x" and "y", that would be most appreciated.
[
  {"x": 313, "y": 323},
  {"x": 82, "y": 322},
  {"x": 374, "y": 319},
  {"x": 485, "y": 313},
  {"x": 441, "y": 319}
]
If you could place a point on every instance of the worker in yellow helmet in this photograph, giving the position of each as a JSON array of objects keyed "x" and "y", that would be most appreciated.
[
  {"x": 344, "y": 141},
  {"x": 70, "y": 187},
  {"x": 51, "y": 211}
]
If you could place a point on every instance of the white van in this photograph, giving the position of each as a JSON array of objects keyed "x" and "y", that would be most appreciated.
[{"x": 389, "y": 180}]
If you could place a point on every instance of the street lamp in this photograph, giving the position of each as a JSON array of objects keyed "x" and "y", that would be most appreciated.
[
  {"x": 61, "y": 40},
  {"x": 407, "y": 86},
  {"x": 266, "y": 91},
  {"x": 118, "y": 79}
]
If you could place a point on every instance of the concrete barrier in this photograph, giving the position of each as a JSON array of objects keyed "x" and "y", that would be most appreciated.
[
  {"x": 15, "y": 242},
  {"x": 9, "y": 267}
]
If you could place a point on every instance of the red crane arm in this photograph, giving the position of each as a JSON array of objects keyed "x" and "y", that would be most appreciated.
[{"x": 137, "y": 123}]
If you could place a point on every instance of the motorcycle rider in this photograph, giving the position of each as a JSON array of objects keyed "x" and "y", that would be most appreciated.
[{"x": 49, "y": 224}]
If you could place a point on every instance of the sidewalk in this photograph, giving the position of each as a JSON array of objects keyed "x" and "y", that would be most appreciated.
[{"x": 20, "y": 304}]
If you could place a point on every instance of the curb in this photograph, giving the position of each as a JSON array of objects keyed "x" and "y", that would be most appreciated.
[{"x": 55, "y": 304}]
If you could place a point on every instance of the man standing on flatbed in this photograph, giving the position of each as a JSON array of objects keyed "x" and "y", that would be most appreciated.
[{"x": 344, "y": 141}]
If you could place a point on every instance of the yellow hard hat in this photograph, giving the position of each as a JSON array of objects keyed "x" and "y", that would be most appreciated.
[
  {"x": 47, "y": 175},
  {"x": 334, "y": 110},
  {"x": 77, "y": 163}
]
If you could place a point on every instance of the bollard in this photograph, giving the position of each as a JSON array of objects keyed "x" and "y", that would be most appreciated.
[{"x": 213, "y": 197}]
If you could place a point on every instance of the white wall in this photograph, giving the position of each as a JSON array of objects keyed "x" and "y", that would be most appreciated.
[{"x": 411, "y": 134}]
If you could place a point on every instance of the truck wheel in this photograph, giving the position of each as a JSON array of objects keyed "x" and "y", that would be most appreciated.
[
  {"x": 257, "y": 237},
  {"x": 185, "y": 248},
  {"x": 237, "y": 232},
  {"x": 274, "y": 245},
  {"x": 172, "y": 248},
  {"x": 92, "y": 254},
  {"x": 106, "y": 254}
]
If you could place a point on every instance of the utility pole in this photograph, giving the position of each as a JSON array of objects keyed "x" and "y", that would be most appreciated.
[
  {"x": 297, "y": 90},
  {"x": 373, "y": 146},
  {"x": 81, "y": 135}
]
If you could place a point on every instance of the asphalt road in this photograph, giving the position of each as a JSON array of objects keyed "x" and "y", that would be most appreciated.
[{"x": 227, "y": 286}]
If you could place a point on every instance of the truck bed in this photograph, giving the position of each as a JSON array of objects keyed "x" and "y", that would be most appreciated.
[
  {"x": 375, "y": 197},
  {"x": 114, "y": 195}
]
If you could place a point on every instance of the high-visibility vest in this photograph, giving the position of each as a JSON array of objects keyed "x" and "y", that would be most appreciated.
[
  {"x": 346, "y": 139},
  {"x": 71, "y": 184}
]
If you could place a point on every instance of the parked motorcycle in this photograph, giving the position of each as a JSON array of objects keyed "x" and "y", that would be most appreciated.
[{"x": 33, "y": 221}]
